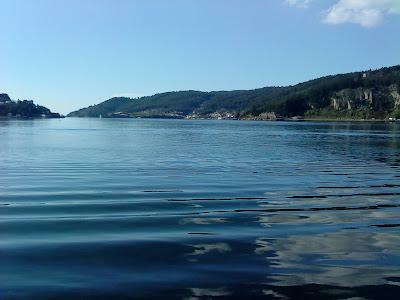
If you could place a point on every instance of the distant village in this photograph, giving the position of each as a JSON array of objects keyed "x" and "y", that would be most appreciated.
[
  {"x": 270, "y": 116},
  {"x": 172, "y": 115}
]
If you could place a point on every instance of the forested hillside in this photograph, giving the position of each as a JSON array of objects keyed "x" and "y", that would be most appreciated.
[
  {"x": 178, "y": 103},
  {"x": 367, "y": 94},
  {"x": 25, "y": 108}
]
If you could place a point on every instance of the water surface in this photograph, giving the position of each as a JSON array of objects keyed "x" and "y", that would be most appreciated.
[{"x": 199, "y": 209}]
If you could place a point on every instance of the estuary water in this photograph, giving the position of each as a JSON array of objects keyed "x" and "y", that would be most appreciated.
[{"x": 199, "y": 209}]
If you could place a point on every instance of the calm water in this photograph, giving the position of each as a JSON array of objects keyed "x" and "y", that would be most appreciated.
[{"x": 185, "y": 209}]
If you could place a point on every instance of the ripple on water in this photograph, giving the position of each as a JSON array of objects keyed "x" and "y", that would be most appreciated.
[{"x": 198, "y": 209}]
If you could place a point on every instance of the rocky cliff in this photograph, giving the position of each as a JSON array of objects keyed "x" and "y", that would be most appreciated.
[
  {"x": 365, "y": 98},
  {"x": 359, "y": 98}
]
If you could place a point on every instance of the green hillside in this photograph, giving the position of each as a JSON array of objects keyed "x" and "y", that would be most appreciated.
[
  {"x": 367, "y": 94},
  {"x": 181, "y": 103},
  {"x": 24, "y": 109}
]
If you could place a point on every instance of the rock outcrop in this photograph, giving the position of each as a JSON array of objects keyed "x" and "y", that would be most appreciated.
[
  {"x": 359, "y": 98},
  {"x": 394, "y": 93}
]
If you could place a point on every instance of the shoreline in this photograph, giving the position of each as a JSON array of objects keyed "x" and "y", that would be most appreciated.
[
  {"x": 324, "y": 120},
  {"x": 256, "y": 119}
]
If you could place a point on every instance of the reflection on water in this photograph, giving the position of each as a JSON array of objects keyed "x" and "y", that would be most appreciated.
[
  {"x": 222, "y": 291},
  {"x": 175, "y": 209},
  {"x": 206, "y": 248},
  {"x": 345, "y": 259},
  {"x": 203, "y": 221}
]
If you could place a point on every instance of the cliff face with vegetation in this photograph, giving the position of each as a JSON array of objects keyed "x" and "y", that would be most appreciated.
[
  {"x": 362, "y": 95},
  {"x": 352, "y": 99},
  {"x": 381, "y": 102},
  {"x": 23, "y": 109}
]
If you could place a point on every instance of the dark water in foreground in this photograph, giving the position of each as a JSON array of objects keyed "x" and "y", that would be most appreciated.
[{"x": 115, "y": 209}]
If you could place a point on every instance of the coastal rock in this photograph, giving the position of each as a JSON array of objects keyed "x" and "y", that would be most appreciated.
[{"x": 267, "y": 116}]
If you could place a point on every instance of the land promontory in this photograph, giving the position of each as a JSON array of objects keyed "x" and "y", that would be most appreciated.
[
  {"x": 23, "y": 109},
  {"x": 370, "y": 94}
]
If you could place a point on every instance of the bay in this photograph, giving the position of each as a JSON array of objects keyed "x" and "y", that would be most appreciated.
[{"x": 199, "y": 209}]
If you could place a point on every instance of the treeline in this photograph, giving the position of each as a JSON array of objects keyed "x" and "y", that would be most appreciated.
[
  {"x": 183, "y": 102},
  {"x": 24, "y": 108},
  {"x": 309, "y": 98}
]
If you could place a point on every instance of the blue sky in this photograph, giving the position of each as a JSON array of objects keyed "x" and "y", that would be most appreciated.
[{"x": 69, "y": 54}]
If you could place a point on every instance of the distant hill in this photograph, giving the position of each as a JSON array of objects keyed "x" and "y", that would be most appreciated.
[
  {"x": 177, "y": 103},
  {"x": 25, "y": 109},
  {"x": 362, "y": 95}
]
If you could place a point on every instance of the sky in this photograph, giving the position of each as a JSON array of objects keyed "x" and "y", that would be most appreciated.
[{"x": 69, "y": 54}]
